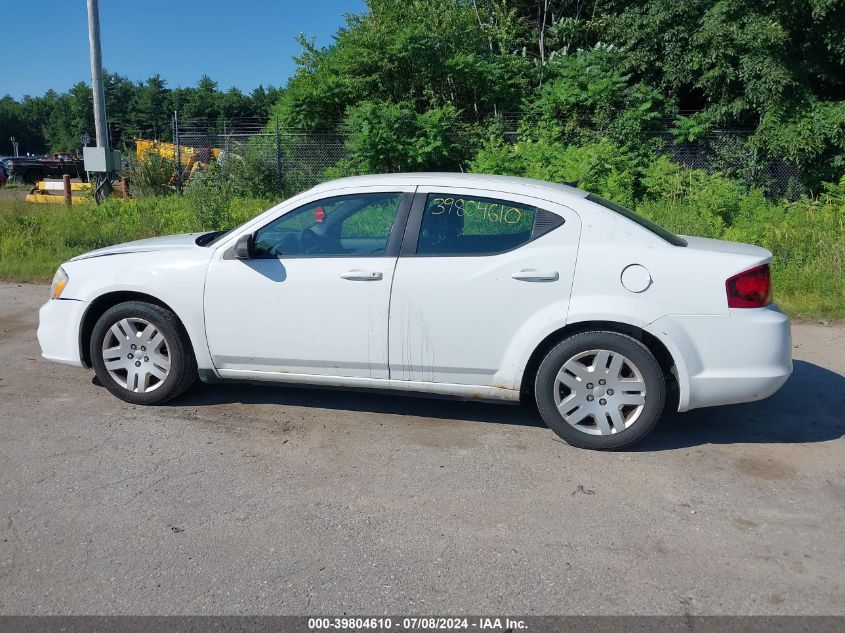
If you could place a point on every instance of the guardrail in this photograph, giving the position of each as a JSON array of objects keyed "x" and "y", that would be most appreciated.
[
  {"x": 60, "y": 192},
  {"x": 66, "y": 192}
]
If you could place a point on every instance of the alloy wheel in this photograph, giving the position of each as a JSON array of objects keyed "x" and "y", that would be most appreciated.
[
  {"x": 600, "y": 392},
  {"x": 136, "y": 355}
]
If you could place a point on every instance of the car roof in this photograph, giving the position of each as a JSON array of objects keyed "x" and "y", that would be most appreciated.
[{"x": 511, "y": 184}]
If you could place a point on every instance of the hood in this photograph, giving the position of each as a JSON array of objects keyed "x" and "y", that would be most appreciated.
[
  {"x": 722, "y": 246},
  {"x": 169, "y": 242}
]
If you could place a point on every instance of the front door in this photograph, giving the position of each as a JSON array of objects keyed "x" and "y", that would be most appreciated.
[{"x": 314, "y": 297}]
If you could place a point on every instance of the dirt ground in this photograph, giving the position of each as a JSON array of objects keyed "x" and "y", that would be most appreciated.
[{"x": 244, "y": 499}]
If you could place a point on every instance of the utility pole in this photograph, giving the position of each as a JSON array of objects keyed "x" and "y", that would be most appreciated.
[
  {"x": 97, "y": 74},
  {"x": 100, "y": 161}
]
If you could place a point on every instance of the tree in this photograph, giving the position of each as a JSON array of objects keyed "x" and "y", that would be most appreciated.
[
  {"x": 427, "y": 53},
  {"x": 394, "y": 138},
  {"x": 68, "y": 117},
  {"x": 55, "y": 122},
  {"x": 149, "y": 110}
]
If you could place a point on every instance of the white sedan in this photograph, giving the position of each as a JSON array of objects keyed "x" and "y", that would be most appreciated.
[{"x": 466, "y": 285}]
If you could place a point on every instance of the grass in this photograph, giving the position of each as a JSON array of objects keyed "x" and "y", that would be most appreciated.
[
  {"x": 36, "y": 238},
  {"x": 806, "y": 237}
]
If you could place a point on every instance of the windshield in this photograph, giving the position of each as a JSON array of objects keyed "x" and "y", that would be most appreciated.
[{"x": 658, "y": 230}]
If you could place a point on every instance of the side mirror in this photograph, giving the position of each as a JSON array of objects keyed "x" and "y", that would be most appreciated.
[{"x": 244, "y": 247}]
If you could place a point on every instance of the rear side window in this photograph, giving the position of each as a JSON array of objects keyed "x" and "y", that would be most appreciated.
[
  {"x": 658, "y": 230},
  {"x": 468, "y": 225}
]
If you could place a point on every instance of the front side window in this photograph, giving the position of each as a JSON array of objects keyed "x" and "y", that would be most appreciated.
[
  {"x": 356, "y": 225},
  {"x": 469, "y": 225}
]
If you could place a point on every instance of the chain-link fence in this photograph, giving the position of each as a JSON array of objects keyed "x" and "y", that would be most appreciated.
[
  {"x": 731, "y": 153},
  {"x": 265, "y": 159},
  {"x": 265, "y": 156}
]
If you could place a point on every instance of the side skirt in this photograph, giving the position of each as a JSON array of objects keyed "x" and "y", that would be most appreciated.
[{"x": 470, "y": 392}]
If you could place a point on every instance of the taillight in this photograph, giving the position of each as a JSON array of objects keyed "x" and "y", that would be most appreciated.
[{"x": 751, "y": 289}]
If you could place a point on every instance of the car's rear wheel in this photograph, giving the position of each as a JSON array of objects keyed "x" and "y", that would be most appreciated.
[
  {"x": 142, "y": 354},
  {"x": 600, "y": 390}
]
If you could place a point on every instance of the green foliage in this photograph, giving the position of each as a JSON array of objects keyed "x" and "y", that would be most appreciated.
[
  {"x": 55, "y": 122},
  {"x": 420, "y": 53},
  {"x": 812, "y": 136},
  {"x": 152, "y": 176},
  {"x": 599, "y": 166},
  {"x": 219, "y": 200},
  {"x": 585, "y": 72},
  {"x": 587, "y": 91},
  {"x": 252, "y": 168},
  {"x": 393, "y": 138},
  {"x": 210, "y": 193},
  {"x": 579, "y": 72},
  {"x": 689, "y": 129},
  {"x": 735, "y": 59},
  {"x": 36, "y": 238}
]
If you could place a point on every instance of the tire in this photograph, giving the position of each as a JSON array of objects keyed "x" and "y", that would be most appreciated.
[
  {"x": 588, "y": 413},
  {"x": 162, "y": 364}
]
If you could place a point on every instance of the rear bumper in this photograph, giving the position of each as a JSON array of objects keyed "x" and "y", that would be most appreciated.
[
  {"x": 58, "y": 330},
  {"x": 742, "y": 356}
]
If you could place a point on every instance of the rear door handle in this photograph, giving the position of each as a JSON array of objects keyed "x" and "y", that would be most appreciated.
[
  {"x": 362, "y": 275},
  {"x": 530, "y": 274}
]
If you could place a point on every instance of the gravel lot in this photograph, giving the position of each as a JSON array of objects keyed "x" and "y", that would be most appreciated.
[{"x": 249, "y": 499}]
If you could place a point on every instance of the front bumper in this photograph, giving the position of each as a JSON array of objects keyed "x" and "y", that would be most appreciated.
[
  {"x": 742, "y": 356},
  {"x": 59, "y": 322}
]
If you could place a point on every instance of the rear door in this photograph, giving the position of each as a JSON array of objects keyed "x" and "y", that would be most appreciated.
[{"x": 480, "y": 274}]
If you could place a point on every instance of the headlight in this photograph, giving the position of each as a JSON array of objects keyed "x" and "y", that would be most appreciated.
[{"x": 59, "y": 283}]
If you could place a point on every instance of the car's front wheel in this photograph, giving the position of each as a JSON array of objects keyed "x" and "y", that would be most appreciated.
[
  {"x": 142, "y": 354},
  {"x": 600, "y": 390}
]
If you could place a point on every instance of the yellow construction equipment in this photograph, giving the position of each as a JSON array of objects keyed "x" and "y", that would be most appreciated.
[{"x": 190, "y": 157}]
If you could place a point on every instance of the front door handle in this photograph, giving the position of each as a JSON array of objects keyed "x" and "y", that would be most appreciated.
[
  {"x": 362, "y": 275},
  {"x": 529, "y": 274}
]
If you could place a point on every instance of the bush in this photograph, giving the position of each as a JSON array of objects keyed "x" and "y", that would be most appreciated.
[
  {"x": 152, "y": 175},
  {"x": 253, "y": 168},
  {"x": 601, "y": 167},
  {"x": 210, "y": 192},
  {"x": 385, "y": 138},
  {"x": 588, "y": 92}
]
